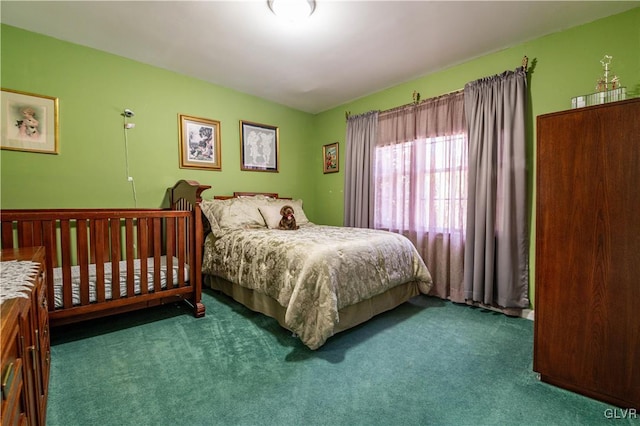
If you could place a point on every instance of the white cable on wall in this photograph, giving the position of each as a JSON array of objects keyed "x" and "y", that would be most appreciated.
[{"x": 128, "y": 113}]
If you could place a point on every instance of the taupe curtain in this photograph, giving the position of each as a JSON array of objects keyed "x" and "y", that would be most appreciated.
[
  {"x": 496, "y": 250},
  {"x": 358, "y": 181},
  {"x": 420, "y": 187}
]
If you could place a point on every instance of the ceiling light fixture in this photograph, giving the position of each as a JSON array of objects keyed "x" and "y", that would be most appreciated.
[{"x": 292, "y": 10}]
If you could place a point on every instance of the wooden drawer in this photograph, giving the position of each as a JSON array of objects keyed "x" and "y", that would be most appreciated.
[{"x": 12, "y": 393}]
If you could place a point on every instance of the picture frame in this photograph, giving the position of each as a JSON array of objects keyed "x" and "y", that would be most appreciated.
[
  {"x": 330, "y": 158},
  {"x": 200, "y": 143},
  {"x": 259, "y": 147},
  {"x": 29, "y": 122}
]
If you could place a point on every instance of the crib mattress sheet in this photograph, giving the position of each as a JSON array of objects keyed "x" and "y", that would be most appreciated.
[{"x": 108, "y": 277}]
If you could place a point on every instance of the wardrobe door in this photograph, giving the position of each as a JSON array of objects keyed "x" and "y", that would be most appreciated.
[{"x": 587, "y": 325}]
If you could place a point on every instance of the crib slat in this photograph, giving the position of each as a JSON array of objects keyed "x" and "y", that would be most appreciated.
[
  {"x": 49, "y": 239},
  {"x": 143, "y": 247},
  {"x": 150, "y": 236},
  {"x": 7, "y": 235},
  {"x": 157, "y": 254},
  {"x": 25, "y": 234},
  {"x": 105, "y": 239},
  {"x": 130, "y": 255},
  {"x": 170, "y": 249},
  {"x": 36, "y": 238},
  {"x": 51, "y": 259},
  {"x": 181, "y": 250},
  {"x": 83, "y": 259},
  {"x": 115, "y": 258},
  {"x": 65, "y": 249},
  {"x": 97, "y": 247}
]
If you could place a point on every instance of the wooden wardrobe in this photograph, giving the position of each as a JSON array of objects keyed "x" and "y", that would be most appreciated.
[{"x": 587, "y": 294}]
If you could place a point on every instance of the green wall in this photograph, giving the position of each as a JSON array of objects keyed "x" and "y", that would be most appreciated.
[
  {"x": 94, "y": 87},
  {"x": 562, "y": 65}
]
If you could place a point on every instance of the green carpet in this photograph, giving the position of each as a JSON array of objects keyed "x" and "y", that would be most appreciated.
[{"x": 426, "y": 362}]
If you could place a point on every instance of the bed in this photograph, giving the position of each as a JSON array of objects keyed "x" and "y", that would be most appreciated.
[
  {"x": 315, "y": 281},
  {"x": 101, "y": 262}
]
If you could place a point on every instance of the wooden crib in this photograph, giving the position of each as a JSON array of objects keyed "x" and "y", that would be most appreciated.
[{"x": 106, "y": 261}]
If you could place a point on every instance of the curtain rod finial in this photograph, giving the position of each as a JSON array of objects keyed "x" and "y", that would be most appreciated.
[
  {"x": 347, "y": 114},
  {"x": 525, "y": 62},
  {"x": 416, "y": 96}
]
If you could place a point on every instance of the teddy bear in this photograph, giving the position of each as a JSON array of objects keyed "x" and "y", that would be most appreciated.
[{"x": 288, "y": 221}]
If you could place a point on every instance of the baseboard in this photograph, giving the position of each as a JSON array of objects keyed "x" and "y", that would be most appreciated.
[{"x": 525, "y": 313}]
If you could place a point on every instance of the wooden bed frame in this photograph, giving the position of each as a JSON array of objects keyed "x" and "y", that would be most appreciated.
[{"x": 80, "y": 239}]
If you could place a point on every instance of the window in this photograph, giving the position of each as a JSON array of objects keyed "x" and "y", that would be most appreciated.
[{"x": 421, "y": 185}]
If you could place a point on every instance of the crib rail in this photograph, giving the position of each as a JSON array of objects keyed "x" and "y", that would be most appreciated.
[{"x": 82, "y": 238}]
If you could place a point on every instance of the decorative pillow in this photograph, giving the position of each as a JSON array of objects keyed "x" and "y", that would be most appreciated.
[
  {"x": 234, "y": 213},
  {"x": 209, "y": 209},
  {"x": 251, "y": 212},
  {"x": 298, "y": 212},
  {"x": 272, "y": 216}
]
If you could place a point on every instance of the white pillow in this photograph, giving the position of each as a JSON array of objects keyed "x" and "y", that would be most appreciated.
[
  {"x": 271, "y": 215},
  {"x": 209, "y": 209},
  {"x": 298, "y": 212},
  {"x": 233, "y": 213}
]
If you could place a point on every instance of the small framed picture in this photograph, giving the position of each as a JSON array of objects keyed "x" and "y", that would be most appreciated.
[
  {"x": 330, "y": 162},
  {"x": 199, "y": 143},
  {"x": 29, "y": 122},
  {"x": 259, "y": 147}
]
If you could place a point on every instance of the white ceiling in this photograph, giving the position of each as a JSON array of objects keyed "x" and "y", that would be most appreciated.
[{"x": 345, "y": 50}]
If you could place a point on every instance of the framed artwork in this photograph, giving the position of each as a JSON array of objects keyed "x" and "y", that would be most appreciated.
[
  {"x": 199, "y": 143},
  {"x": 259, "y": 147},
  {"x": 29, "y": 122},
  {"x": 330, "y": 163}
]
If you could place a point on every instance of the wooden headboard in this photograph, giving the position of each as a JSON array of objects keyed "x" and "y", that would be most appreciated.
[{"x": 250, "y": 194}]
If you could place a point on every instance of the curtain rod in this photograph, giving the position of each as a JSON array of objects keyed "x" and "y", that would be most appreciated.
[{"x": 416, "y": 94}]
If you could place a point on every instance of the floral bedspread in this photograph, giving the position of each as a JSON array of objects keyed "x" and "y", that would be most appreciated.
[{"x": 316, "y": 270}]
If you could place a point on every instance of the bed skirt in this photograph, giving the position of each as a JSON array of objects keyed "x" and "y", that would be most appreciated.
[{"x": 350, "y": 316}]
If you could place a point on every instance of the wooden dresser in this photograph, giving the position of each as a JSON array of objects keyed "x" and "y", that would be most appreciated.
[
  {"x": 587, "y": 305},
  {"x": 25, "y": 349}
]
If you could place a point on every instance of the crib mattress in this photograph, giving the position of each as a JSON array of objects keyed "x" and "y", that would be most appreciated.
[{"x": 108, "y": 277}]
